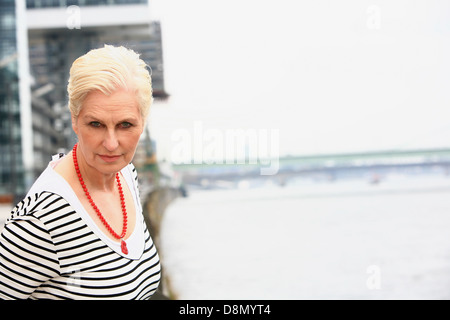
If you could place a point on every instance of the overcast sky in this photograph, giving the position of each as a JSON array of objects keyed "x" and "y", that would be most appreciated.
[{"x": 330, "y": 76}]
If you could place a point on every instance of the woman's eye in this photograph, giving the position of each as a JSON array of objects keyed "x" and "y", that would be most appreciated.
[
  {"x": 95, "y": 124},
  {"x": 125, "y": 125}
]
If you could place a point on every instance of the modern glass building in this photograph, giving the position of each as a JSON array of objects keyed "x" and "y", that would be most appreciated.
[
  {"x": 61, "y": 30},
  {"x": 15, "y": 148}
]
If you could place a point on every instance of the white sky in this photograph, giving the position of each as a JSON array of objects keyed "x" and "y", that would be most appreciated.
[{"x": 331, "y": 76}]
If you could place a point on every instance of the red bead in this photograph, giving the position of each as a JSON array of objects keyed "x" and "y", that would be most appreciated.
[{"x": 123, "y": 246}]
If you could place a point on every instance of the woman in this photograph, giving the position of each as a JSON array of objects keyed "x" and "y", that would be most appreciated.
[{"x": 80, "y": 232}]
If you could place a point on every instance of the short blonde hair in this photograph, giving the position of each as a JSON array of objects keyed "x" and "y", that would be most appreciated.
[{"x": 108, "y": 69}]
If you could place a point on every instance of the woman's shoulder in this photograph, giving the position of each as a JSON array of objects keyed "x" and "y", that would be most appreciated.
[{"x": 42, "y": 206}]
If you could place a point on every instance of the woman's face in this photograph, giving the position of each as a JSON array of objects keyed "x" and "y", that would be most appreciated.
[{"x": 108, "y": 129}]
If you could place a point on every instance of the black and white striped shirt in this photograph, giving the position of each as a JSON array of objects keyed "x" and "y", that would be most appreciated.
[{"x": 51, "y": 249}]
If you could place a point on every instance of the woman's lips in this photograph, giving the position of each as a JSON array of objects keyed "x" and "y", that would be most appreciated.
[{"x": 109, "y": 158}]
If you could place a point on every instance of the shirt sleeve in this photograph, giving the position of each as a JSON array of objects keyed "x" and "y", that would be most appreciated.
[{"x": 28, "y": 257}]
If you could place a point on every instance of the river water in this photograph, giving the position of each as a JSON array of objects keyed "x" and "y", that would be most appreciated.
[{"x": 312, "y": 240}]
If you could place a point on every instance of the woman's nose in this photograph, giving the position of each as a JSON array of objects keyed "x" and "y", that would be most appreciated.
[{"x": 110, "y": 142}]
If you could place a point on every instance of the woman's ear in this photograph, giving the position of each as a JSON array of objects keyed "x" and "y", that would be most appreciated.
[{"x": 75, "y": 124}]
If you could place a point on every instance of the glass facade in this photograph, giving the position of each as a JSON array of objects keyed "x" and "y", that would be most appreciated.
[{"x": 11, "y": 168}]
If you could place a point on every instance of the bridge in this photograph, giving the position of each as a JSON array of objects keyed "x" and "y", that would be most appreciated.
[{"x": 329, "y": 166}]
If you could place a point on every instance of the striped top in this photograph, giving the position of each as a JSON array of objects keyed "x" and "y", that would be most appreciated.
[{"x": 51, "y": 249}]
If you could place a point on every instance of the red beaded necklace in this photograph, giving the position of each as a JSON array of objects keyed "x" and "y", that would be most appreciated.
[{"x": 123, "y": 244}]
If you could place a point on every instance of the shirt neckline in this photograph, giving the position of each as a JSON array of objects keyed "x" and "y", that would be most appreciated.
[{"x": 54, "y": 182}]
